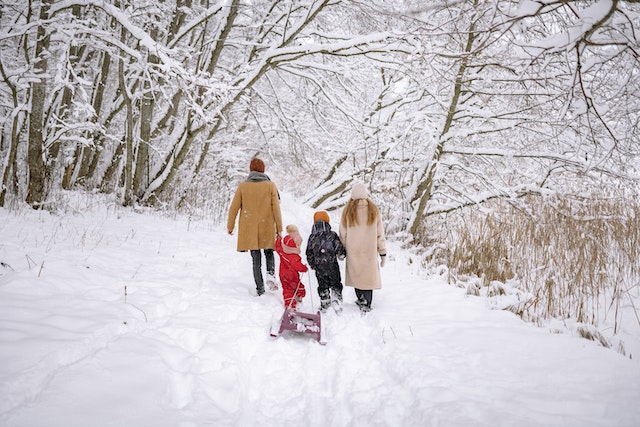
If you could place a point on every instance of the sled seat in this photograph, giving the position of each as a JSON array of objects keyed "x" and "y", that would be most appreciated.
[{"x": 297, "y": 321}]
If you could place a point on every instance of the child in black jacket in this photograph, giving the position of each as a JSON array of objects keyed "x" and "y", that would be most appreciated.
[{"x": 324, "y": 248}]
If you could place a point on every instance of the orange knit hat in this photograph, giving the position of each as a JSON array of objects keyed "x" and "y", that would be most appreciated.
[{"x": 321, "y": 216}]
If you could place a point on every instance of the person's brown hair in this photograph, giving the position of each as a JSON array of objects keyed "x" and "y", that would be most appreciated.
[
  {"x": 256, "y": 165},
  {"x": 350, "y": 213}
]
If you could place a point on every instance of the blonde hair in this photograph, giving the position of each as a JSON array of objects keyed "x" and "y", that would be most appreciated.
[
  {"x": 291, "y": 228},
  {"x": 350, "y": 213}
]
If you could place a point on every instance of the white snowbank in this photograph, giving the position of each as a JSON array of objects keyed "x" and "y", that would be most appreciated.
[{"x": 190, "y": 345}]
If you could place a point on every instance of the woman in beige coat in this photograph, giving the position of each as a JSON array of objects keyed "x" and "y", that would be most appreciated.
[
  {"x": 260, "y": 221},
  {"x": 362, "y": 235}
]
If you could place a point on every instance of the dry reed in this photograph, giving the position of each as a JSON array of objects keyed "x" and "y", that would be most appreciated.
[{"x": 572, "y": 259}]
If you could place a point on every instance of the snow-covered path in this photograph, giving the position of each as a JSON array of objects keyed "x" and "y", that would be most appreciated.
[{"x": 189, "y": 346}]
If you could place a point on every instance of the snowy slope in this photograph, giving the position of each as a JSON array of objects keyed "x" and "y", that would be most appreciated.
[{"x": 189, "y": 344}]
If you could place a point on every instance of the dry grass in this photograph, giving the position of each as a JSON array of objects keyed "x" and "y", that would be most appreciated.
[{"x": 573, "y": 259}]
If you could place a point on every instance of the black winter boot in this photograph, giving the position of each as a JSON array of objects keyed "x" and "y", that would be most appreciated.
[
  {"x": 325, "y": 304},
  {"x": 364, "y": 300}
]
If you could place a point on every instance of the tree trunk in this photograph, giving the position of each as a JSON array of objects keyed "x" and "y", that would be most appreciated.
[
  {"x": 109, "y": 177},
  {"x": 35, "y": 153},
  {"x": 146, "y": 116},
  {"x": 424, "y": 189},
  {"x": 66, "y": 101},
  {"x": 81, "y": 164},
  {"x": 128, "y": 139},
  {"x": 9, "y": 179}
]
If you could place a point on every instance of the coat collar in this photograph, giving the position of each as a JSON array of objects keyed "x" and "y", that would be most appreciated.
[{"x": 255, "y": 176}]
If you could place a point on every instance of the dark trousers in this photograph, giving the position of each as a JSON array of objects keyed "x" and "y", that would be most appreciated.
[
  {"x": 256, "y": 256},
  {"x": 364, "y": 297},
  {"x": 329, "y": 280}
]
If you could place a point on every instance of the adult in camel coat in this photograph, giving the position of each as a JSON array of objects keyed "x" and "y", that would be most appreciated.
[
  {"x": 260, "y": 221},
  {"x": 362, "y": 234}
]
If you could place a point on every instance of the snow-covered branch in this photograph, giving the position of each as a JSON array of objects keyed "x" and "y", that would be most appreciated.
[
  {"x": 480, "y": 198},
  {"x": 574, "y": 161},
  {"x": 168, "y": 64}
]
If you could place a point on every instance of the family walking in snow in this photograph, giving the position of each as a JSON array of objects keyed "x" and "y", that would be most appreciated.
[{"x": 360, "y": 241}]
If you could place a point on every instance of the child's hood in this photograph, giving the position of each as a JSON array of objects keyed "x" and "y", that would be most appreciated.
[{"x": 320, "y": 227}]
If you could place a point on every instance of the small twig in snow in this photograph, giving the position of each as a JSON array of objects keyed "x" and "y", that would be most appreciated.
[
  {"x": 136, "y": 272},
  {"x": 134, "y": 306},
  {"x": 29, "y": 261}
]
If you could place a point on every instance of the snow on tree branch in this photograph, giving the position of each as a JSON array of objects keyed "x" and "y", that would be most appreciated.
[{"x": 168, "y": 64}]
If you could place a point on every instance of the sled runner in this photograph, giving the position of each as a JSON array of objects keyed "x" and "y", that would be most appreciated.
[{"x": 298, "y": 321}]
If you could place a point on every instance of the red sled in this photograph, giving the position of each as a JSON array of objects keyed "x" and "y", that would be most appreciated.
[{"x": 297, "y": 321}]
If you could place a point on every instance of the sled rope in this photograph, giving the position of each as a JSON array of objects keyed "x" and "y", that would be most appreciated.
[
  {"x": 298, "y": 287},
  {"x": 310, "y": 291}
]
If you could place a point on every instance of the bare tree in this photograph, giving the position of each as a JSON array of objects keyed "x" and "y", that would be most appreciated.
[
  {"x": 498, "y": 103},
  {"x": 439, "y": 106},
  {"x": 36, "y": 192},
  {"x": 10, "y": 174}
]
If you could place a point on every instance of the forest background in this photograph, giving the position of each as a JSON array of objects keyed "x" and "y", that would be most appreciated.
[{"x": 500, "y": 138}]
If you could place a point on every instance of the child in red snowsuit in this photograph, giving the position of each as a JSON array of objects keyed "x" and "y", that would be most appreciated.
[{"x": 291, "y": 266}]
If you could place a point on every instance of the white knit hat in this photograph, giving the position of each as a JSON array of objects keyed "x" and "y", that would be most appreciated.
[{"x": 359, "y": 191}]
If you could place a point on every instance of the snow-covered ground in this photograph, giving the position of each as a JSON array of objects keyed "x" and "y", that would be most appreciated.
[{"x": 189, "y": 345}]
